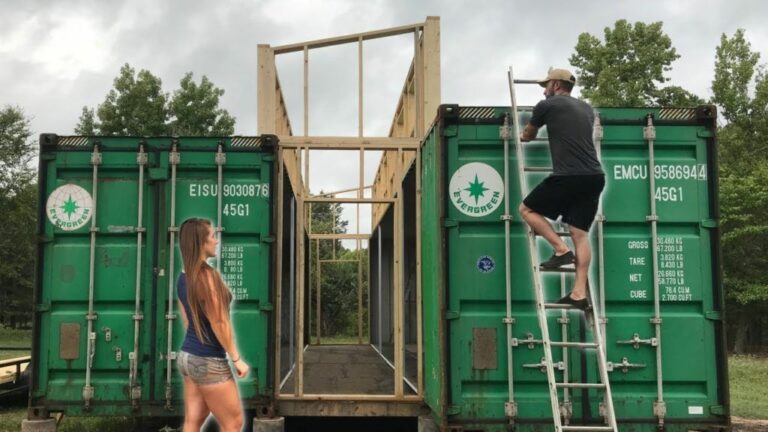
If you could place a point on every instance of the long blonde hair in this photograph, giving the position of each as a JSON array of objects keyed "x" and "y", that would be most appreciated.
[{"x": 200, "y": 296}]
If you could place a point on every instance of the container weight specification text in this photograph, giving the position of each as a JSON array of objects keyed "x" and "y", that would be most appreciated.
[
  {"x": 673, "y": 285},
  {"x": 232, "y": 270}
]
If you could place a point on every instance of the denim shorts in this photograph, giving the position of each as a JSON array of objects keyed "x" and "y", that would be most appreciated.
[{"x": 204, "y": 370}]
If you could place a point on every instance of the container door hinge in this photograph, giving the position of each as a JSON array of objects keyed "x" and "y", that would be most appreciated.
[
  {"x": 266, "y": 306},
  {"x": 268, "y": 239},
  {"x": 713, "y": 315},
  {"x": 42, "y": 307},
  {"x": 717, "y": 410},
  {"x": 453, "y": 410},
  {"x": 705, "y": 133},
  {"x": 451, "y": 315},
  {"x": 709, "y": 223},
  {"x": 268, "y": 158},
  {"x": 450, "y": 223}
]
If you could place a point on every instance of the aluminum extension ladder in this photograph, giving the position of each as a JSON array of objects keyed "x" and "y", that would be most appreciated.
[{"x": 542, "y": 307}]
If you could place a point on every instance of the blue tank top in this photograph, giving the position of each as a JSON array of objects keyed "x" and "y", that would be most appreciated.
[{"x": 192, "y": 344}]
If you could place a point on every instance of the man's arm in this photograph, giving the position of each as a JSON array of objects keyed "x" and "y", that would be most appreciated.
[{"x": 529, "y": 133}]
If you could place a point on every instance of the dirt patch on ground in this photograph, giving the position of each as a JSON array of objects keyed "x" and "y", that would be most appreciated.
[{"x": 749, "y": 425}]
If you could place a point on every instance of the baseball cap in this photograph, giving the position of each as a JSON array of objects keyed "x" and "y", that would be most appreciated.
[{"x": 558, "y": 74}]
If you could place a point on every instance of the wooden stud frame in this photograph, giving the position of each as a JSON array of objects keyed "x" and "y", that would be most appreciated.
[{"x": 415, "y": 109}]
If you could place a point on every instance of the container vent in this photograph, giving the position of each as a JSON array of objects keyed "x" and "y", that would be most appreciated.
[
  {"x": 254, "y": 142},
  {"x": 677, "y": 114},
  {"x": 73, "y": 141},
  {"x": 477, "y": 112}
]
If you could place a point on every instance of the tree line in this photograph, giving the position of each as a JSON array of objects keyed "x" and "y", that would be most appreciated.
[{"x": 628, "y": 65}]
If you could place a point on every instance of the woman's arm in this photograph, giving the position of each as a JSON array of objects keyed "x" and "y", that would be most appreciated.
[
  {"x": 222, "y": 329},
  {"x": 183, "y": 315}
]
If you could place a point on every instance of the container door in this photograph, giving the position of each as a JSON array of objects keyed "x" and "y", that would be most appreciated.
[
  {"x": 230, "y": 185},
  {"x": 93, "y": 263}
]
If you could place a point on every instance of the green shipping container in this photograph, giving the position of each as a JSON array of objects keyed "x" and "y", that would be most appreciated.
[
  {"x": 109, "y": 213},
  {"x": 465, "y": 340}
]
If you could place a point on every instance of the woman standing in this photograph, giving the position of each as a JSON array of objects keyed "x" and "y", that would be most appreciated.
[{"x": 204, "y": 300}]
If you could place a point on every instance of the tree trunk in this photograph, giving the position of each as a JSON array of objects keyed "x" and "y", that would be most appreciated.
[{"x": 742, "y": 330}]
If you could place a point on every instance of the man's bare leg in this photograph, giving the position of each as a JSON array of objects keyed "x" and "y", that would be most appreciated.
[
  {"x": 540, "y": 225},
  {"x": 583, "y": 257}
]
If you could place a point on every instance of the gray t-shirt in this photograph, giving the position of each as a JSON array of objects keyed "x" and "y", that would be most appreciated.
[{"x": 569, "y": 125}]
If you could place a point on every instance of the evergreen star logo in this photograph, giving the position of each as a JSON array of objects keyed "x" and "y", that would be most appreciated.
[
  {"x": 476, "y": 189},
  {"x": 69, "y": 207}
]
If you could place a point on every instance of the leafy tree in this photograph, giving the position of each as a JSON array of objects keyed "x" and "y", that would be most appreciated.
[
  {"x": 16, "y": 151},
  {"x": 18, "y": 203},
  {"x": 627, "y": 68},
  {"x": 743, "y": 152},
  {"x": 137, "y": 105},
  {"x": 87, "y": 124},
  {"x": 338, "y": 280},
  {"x": 735, "y": 64},
  {"x": 195, "y": 109}
]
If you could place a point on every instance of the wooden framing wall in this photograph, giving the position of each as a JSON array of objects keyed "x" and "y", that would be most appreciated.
[{"x": 414, "y": 112}]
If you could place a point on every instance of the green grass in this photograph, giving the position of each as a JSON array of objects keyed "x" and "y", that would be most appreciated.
[
  {"x": 11, "y": 417},
  {"x": 14, "y": 338},
  {"x": 749, "y": 379}
]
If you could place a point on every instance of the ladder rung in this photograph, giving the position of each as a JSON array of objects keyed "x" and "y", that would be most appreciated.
[
  {"x": 580, "y": 385},
  {"x": 558, "y": 306},
  {"x": 574, "y": 344},
  {"x": 526, "y": 81},
  {"x": 558, "y": 270},
  {"x": 559, "y": 233},
  {"x": 587, "y": 428},
  {"x": 537, "y": 169}
]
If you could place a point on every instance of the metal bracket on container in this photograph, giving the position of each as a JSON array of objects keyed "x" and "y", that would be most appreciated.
[
  {"x": 528, "y": 340},
  {"x": 141, "y": 158},
  {"x": 118, "y": 353},
  {"x": 506, "y": 217},
  {"x": 107, "y": 333},
  {"x": 566, "y": 409},
  {"x": 137, "y": 317},
  {"x": 624, "y": 365},
  {"x": 597, "y": 133},
  {"x": 543, "y": 365},
  {"x": 655, "y": 321},
  {"x": 649, "y": 132},
  {"x": 221, "y": 158},
  {"x": 174, "y": 157},
  {"x": 172, "y": 355},
  {"x": 508, "y": 320},
  {"x": 505, "y": 132},
  {"x": 652, "y": 218},
  {"x": 660, "y": 409},
  {"x": 170, "y": 316},
  {"x": 563, "y": 320},
  {"x": 96, "y": 158},
  {"x": 510, "y": 409},
  {"x": 136, "y": 393},
  {"x": 636, "y": 341}
]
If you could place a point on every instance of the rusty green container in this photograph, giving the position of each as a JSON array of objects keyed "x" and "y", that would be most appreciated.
[
  {"x": 108, "y": 261},
  {"x": 465, "y": 341}
]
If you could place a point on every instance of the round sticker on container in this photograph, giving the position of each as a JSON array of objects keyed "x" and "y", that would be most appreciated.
[
  {"x": 486, "y": 264},
  {"x": 69, "y": 207},
  {"x": 476, "y": 189}
]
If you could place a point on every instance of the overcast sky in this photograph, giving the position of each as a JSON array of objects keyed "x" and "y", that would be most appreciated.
[{"x": 57, "y": 56}]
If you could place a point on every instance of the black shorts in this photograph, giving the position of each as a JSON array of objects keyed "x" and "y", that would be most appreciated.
[{"x": 574, "y": 197}]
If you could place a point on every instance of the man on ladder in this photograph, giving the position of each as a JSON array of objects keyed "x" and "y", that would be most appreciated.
[{"x": 573, "y": 189}]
